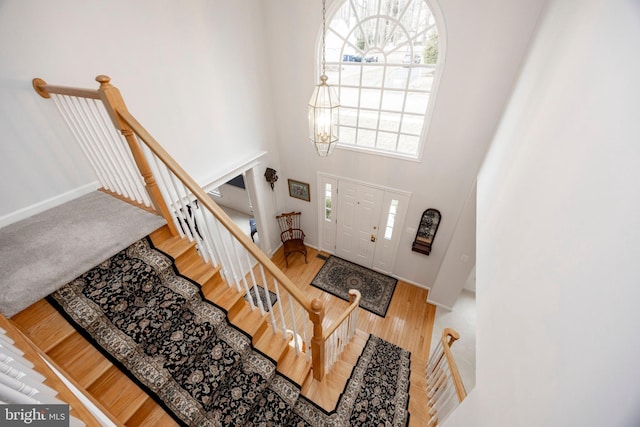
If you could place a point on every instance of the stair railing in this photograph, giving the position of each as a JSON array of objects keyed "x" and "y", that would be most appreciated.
[
  {"x": 24, "y": 370},
  {"x": 339, "y": 334},
  {"x": 161, "y": 185},
  {"x": 445, "y": 389}
]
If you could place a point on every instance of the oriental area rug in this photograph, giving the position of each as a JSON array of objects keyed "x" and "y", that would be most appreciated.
[
  {"x": 156, "y": 326},
  {"x": 337, "y": 276}
]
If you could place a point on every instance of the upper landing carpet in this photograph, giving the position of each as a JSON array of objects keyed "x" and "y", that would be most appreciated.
[
  {"x": 337, "y": 276},
  {"x": 44, "y": 252}
]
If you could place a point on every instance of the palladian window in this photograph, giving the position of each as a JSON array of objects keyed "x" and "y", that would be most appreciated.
[{"x": 382, "y": 58}]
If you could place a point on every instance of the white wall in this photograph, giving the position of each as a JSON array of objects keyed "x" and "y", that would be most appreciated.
[
  {"x": 460, "y": 257},
  {"x": 191, "y": 72},
  {"x": 219, "y": 81},
  {"x": 558, "y": 232},
  {"x": 485, "y": 42},
  {"x": 235, "y": 198}
]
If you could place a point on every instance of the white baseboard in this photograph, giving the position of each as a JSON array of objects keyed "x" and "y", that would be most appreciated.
[
  {"x": 437, "y": 304},
  {"x": 44, "y": 205}
]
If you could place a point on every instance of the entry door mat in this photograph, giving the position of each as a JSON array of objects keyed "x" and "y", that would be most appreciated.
[{"x": 337, "y": 276}]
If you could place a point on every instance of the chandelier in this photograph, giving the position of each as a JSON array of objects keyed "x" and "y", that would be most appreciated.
[{"x": 323, "y": 107}]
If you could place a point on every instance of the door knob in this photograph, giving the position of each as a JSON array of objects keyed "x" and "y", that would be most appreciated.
[{"x": 373, "y": 238}]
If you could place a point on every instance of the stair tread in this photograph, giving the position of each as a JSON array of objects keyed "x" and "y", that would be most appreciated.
[
  {"x": 107, "y": 389},
  {"x": 91, "y": 370},
  {"x": 80, "y": 359},
  {"x": 295, "y": 367},
  {"x": 224, "y": 296},
  {"x": 151, "y": 414},
  {"x": 44, "y": 325},
  {"x": 272, "y": 343},
  {"x": 199, "y": 271},
  {"x": 250, "y": 321},
  {"x": 174, "y": 246}
]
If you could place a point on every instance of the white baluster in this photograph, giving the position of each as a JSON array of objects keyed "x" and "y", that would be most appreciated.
[
  {"x": 62, "y": 104},
  {"x": 266, "y": 291},
  {"x": 181, "y": 203},
  {"x": 254, "y": 284},
  {"x": 94, "y": 141},
  {"x": 283, "y": 328},
  {"x": 156, "y": 169},
  {"x": 119, "y": 146},
  {"x": 243, "y": 278},
  {"x": 294, "y": 327},
  {"x": 305, "y": 338},
  {"x": 109, "y": 150},
  {"x": 208, "y": 240},
  {"x": 227, "y": 263}
]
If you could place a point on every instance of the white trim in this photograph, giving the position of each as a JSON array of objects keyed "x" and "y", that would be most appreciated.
[
  {"x": 437, "y": 304},
  {"x": 232, "y": 172},
  {"x": 324, "y": 177},
  {"x": 365, "y": 183},
  {"x": 435, "y": 9},
  {"x": 47, "y": 204},
  {"x": 439, "y": 23}
]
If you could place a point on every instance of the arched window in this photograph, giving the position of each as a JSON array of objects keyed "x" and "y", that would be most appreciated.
[{"x": 382, "y": 57}]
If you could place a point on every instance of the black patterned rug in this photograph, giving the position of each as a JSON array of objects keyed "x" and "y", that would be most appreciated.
[
  {"x": 157, "y": 327},
  {"x": 337, "y": 276},
  {"x": 273, "y": 298}
]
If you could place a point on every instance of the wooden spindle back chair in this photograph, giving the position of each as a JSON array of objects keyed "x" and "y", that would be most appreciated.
[{"x": 291, "y": 235}]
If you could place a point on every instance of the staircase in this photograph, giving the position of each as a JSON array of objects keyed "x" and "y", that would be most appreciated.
[
  {"x": 123, "y": 399},
  {"x": 173, "y": 199}
]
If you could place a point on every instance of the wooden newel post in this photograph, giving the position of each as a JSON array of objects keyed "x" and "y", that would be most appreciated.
[
  {"x": 317, "y": 341},
  {"x": 113, "y": 102}
]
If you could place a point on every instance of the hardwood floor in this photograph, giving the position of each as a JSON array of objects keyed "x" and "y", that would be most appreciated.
[{"x": 408, "y": 323}]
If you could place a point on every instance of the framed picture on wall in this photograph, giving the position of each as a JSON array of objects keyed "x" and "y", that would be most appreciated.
[{"x": 299, "y": 190}]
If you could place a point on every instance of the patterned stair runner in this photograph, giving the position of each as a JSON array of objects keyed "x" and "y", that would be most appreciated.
[{"x": 156, "y": 325}]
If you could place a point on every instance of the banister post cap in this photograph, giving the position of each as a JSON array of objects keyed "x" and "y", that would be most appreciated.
[
  {"x": 104, "y": 81},
  {"x": 317, "y": 305}
]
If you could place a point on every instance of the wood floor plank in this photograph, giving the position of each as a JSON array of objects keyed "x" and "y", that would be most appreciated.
[{"x": 408, "y": 324}]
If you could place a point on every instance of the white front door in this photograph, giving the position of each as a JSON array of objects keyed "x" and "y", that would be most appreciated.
[{"x": 358, "y": 219}]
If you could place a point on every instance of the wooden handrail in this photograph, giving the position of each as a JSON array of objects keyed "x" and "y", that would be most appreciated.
[
  {"x": 132, "y": 130},
  {"x": 44, "y": 90},
  {"x": 112, "y": 100},
  {"x": 354, "y": 298},
  {"x": 216, "y": 210},
  {"x": 449, "y": 336},
  {"x": 315, "y": 307}
]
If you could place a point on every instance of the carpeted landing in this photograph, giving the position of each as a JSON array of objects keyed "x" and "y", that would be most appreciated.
[
  {"x": 44, "y": 252},
  {"x": 181, "y": 348}
]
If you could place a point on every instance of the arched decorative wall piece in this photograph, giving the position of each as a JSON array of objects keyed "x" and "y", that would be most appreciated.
[{"x": 426, "y": 231}]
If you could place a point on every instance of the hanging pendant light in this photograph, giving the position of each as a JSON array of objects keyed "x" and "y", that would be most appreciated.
[{"x": 323, "y": 107}]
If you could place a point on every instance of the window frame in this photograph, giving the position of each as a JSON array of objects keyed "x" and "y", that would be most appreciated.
[{"x": 438, "y": 24}]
